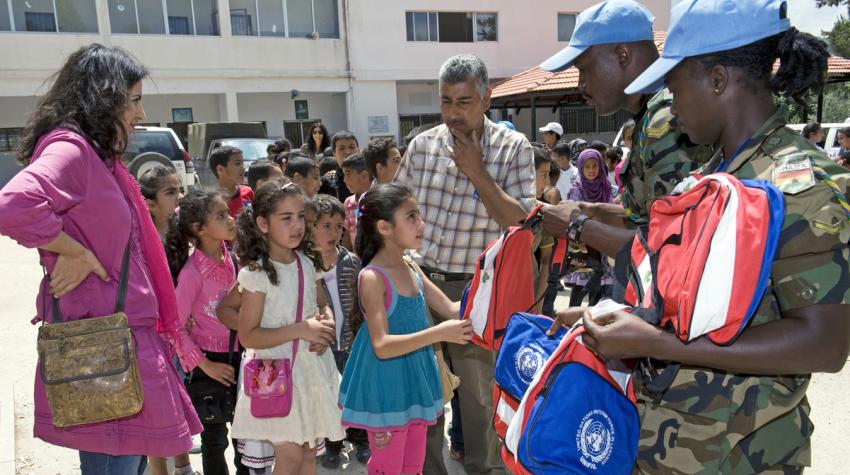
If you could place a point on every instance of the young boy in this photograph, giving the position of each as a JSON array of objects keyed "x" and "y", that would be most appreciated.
[
  {"x": 338, "y": 283},
  {"x": 543, "y": 250},
  {"x": 304, "y": 172},
  {"x": 228, "y": 166},
  {"x": 343, "y": 143},
  {"x": 261, "y": 172},
  {"x": 569, "y": 174},
  {"x": 382, "y": 159},
  {"x": 358, "y": 181}
]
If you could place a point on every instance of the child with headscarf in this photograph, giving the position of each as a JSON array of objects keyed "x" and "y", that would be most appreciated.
[{"x": 589, "y": 270}]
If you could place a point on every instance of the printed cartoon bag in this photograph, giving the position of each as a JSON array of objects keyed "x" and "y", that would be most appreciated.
[
  {"x": 578, "y": 415},
  {"x": 268, "y": 382},
  {"x": 503, "y": 282}
]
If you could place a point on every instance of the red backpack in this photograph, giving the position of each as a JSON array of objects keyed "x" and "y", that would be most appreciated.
[
  {"x": 703, "y": 264},
  {"x": 503, "y": 282}
]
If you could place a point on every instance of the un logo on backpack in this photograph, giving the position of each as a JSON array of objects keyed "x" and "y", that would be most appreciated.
[
  {"x": 527, "y": 361},
  {"x": 595, "y": 439}
]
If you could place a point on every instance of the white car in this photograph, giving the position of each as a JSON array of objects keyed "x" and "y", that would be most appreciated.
[
  {"x": 153, "y": 146},
  {"x": 830, "y": 134}
]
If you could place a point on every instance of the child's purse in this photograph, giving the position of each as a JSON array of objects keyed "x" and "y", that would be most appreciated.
[{"x": 268, "y": 382}]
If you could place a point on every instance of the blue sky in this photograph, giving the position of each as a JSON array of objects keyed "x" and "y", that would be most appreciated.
[{"x": 806, "y": 16}]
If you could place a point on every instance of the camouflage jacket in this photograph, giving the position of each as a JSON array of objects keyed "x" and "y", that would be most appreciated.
[
  {"x": 661, "y": 157},
  {"x": 711, "y": 421}
]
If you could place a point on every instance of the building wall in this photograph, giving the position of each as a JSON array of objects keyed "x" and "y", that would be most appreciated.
[
  {"x": 274, "y": 108},
  {"x": 371, "y": 70},
  {"x": 527, "y": 36}
]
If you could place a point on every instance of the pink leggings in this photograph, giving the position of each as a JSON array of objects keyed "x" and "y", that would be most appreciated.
[{"x": 405, "y": 452}]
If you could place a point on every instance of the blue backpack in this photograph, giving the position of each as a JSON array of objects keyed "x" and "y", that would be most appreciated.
[
  {"x": 578, "y": 416},
  {"x": 525, "y": 349}
]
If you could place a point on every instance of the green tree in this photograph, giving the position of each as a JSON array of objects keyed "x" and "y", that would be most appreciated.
[{"x": 839, "y": 37}]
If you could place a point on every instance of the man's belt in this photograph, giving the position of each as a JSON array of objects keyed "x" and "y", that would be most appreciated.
[{"x": 439, "y": 276}]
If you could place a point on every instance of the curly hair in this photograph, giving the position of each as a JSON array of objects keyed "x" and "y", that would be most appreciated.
[
  {"x": 802, "y": 63},
  {"x": 182, "y": 233},
  {"x": 89, "y": 94},
  {"x": 252, "y": 246}
]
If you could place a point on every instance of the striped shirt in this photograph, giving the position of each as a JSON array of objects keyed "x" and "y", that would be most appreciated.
[{"x": 457, "y": 225}]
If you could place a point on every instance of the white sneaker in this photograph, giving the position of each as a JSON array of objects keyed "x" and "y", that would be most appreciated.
[{"x": 196, "y": 445}]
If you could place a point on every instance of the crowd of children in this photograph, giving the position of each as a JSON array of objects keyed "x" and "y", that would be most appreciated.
[{"x": 260, "y": 268}]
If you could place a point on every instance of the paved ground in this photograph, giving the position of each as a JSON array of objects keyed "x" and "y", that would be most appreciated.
[{"x": 21, "y": 453}]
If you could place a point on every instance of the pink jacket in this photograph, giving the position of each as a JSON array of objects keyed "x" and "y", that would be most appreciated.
[{"x": 202, "y": 284}]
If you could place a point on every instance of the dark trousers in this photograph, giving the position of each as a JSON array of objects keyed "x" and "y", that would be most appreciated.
[
  {"x": 358, "y": 437},
  {"x": 214, "y": 438},
  {"x": 474, "y": 365},
  {"x": 456, "y": 427}
]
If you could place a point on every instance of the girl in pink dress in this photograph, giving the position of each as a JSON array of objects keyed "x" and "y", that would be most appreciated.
[{"x": 77, "y": 203}]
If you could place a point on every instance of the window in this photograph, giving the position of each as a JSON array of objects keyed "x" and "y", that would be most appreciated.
[
  {"x": 296, "y": 130},
  {"x": 566, "y": 25},
  {"x": 9, "y": 139},
  {"x": 407, "y": 123},
  {"x": 5, "y": 24},
  {"x": 452, "y": 27},
  {"x": 179, "y": 17},
  {"x": 74, "y": 16},
  {"x": 582, "y": 120},
  {"x": 286, "y": 18}
]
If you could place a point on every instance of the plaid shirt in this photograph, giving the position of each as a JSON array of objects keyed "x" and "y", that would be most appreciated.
[{"x": 457, "y": 225}]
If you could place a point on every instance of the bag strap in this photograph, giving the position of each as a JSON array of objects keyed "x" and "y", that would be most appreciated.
[
  {"x": 122, "y": 288},
  {"x": 232, "y": 340},
  {"x": 299, "y": 308}
]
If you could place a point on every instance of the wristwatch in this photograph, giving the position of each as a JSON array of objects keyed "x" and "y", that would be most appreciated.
[{"x": 574, "y": 229}]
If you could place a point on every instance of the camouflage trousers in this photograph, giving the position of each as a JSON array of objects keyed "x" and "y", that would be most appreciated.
[{"x": 673, "y": 442}]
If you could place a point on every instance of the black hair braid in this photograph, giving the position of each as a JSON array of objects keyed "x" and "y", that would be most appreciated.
[
  {"x": 379, "y": 203},
  {"x": 802, "y": 65},
  {"x": 194, "y": 208}
]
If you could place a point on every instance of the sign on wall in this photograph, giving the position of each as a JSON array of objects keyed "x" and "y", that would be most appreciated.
[
  {"x": 379, "y": 124},
  {"x": 301, "y": 110}
]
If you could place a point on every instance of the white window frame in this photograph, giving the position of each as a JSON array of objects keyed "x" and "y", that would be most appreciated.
[
  {"x": 558, "y": 25},
  {"x": 164, "y": 20},
  {"x": 13, "y": 29},
  {"x": 437, "y": 12},
  {"x": 285, "y": 19}
]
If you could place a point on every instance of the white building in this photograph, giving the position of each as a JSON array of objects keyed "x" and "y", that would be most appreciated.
[{"x": 365, "y": 65}]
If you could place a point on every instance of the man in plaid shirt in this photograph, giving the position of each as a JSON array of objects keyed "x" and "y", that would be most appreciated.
[{"x": 472, "y": 179}]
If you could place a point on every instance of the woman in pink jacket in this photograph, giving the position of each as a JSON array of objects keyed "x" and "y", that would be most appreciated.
[{"x": 77, "y": 203}]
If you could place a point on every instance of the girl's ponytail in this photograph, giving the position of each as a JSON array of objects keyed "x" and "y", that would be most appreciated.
[
  {"x": 182, "y": 230},
  {"x": 251, "y": 245},
  {"x": 802, "y": 65},
  {"x": 176, "y": 247}
]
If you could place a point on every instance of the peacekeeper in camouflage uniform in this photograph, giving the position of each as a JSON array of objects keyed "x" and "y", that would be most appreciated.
[
  {"x": 611, "y": 45},
  {"x": 741, "y": 409}
]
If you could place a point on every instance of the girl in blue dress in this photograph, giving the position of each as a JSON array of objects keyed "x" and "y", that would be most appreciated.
[{"x": 391, "y": 384}]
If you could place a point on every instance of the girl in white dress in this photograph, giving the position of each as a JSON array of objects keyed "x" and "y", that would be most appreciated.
[{"x": 271, "y": 238}]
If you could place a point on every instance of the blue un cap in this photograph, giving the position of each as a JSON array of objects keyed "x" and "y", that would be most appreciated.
[
  {"x": 612, "y": 21},
  {"x": 700, "y": 27}
]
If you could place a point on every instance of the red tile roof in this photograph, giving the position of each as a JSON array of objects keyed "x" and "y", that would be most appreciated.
[{"x": 538, "y": 80}]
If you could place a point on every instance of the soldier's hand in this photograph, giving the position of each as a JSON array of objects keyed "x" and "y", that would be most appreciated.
[
  {"x": 566, "y": 318},
  {"x": 557, "y": 218},
  {"x": 619, "y": 335}
]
